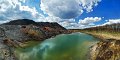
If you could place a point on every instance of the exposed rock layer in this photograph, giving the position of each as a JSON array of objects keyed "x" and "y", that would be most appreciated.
[{"x": 106, "y": 50}]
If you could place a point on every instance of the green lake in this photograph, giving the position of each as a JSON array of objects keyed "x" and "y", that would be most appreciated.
[{"x": 73, "y": 46}]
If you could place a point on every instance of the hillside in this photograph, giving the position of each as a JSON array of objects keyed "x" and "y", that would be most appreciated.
[
  {"x": 17, "y": 33},
  {"x": 21, "y": 22},
  {"x": 54, "y": 25}
]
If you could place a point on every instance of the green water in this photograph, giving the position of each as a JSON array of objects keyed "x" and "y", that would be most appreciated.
[{"x": 73, "y": 46}]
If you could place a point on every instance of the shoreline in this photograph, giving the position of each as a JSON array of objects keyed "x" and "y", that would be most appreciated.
[
  {"x": 102, "y": 37},
  {"x": 26, "y": 43}
]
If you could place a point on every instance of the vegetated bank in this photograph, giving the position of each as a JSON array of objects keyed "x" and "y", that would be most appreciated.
[{"x": 103, "y": 32}]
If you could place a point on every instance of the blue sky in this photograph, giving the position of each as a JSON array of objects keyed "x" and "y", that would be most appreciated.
[
  {"x": 72, "y": 14},
  {"x": 109, "y": 9}
]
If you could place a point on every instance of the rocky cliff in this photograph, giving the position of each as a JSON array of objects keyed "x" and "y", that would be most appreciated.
[{"x": 15, "y": 33}]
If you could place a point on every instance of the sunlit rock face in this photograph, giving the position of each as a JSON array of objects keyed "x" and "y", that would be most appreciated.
[{"x": 106, "y": 50}]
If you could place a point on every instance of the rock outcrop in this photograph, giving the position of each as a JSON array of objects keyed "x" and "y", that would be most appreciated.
[
  {"x": 106, "y": 50},
  {"x": 25, "y": 29}
]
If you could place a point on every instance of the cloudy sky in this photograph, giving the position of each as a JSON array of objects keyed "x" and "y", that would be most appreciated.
[{"x": 72, "y": 14}]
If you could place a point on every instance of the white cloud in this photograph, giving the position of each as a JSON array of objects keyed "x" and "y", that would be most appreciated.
[
  {"x": 48, "y": 19},
  {"x": 7, "y": 4},
  {"x": 63, "y": 12},
  {"x": 112, "y": 21},
  {"x": 67, "y": 8},
  {"x": 59, "y": 11},
  {"x": 88, "y": 4},
  {"x": 14, "y": 9},
  {"x": 71, "y": 23},
  {"x": 89, "y": 20},
  {"x": 27, "y": 8}
]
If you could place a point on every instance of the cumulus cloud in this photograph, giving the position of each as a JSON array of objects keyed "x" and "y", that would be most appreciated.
[
  {"x": 85, "y": 23},
  {"x": 33, "y": 11},
  {"x": 88, "y": 4},
  {"x": 7, "y": 4},
  {"x": 112, "y": 21},
  {"x": 89, "y": 20},
  {"x": 59, "y": 11},
  {"x": 14, "y": 9},
  {"x": 71, "y": 23},
  {"x": 67, "y": 9}
]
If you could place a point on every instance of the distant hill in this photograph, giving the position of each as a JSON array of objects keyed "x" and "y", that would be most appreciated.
[
  {"x": 21, "y": 22},
  {"x": 54, "y": 25}
]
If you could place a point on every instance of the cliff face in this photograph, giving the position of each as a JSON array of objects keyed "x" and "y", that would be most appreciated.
[
  {"x": 15, "y": 33},
  {"x": 106, "y": 50}
]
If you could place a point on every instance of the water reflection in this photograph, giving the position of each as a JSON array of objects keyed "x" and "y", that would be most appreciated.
[{"x": 63, "y": 47}]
